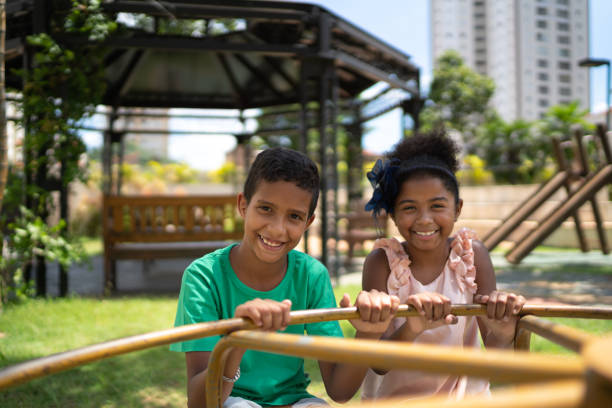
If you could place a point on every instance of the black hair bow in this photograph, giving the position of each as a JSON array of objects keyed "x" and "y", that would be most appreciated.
[{"x": 382, "y": 178}]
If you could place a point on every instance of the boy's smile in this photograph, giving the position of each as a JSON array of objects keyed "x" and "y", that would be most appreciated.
[{"x": 274, "y": 220}]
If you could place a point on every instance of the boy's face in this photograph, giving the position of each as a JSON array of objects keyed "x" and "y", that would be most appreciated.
[{"x": 275, "y": 219}]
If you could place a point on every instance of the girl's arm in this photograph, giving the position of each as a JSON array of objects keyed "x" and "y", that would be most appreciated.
[
  {"x": 498, "y": 327},
  {"x": 376, "y": 309},
  {"x": 375, "y": 271},
  {"x": 434, "y": 308}
]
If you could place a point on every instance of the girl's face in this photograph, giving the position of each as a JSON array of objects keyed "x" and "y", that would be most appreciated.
[{"x": 425, "y": 212}]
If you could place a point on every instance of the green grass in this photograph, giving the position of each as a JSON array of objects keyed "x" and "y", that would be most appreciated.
[
  {"x": 149, "y": 378},
  {"x": 92, "y": 246}
]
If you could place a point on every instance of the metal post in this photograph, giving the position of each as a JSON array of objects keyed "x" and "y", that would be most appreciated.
[
  {"x": 323, "y": 142},
  {"x": 334, "y": 163},
  {"x": 608, "y": 91}
]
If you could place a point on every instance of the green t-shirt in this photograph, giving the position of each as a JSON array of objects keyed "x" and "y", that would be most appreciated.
[{"x": 210, "y": 291}]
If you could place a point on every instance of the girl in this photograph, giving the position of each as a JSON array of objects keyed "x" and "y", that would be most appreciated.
[{"x": 431, "y": 269}]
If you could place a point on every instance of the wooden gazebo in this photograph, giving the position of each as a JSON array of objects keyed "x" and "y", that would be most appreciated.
[{"x": 307, "y": 62}]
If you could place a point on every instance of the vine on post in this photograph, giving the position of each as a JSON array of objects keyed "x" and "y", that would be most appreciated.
[{"x": 63, "y": 85}]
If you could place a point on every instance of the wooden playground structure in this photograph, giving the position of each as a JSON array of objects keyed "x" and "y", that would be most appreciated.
[
  {"x": 540, "y": 380},
  {"x": 581, "y": 180}
]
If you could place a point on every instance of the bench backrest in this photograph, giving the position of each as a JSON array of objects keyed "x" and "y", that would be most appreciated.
[
  {"x": 171, "y": 218},
  {"x": 365, "y": 221}
]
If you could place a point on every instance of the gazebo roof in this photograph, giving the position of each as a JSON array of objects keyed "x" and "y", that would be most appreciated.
[{"x": 257, "y": 65}]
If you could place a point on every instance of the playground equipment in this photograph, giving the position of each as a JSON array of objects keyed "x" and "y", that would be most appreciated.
[
  {"x": 588, "y": 183},
  {"x": 562, "y": 381}
]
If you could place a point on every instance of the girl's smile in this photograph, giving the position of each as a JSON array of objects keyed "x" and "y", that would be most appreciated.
[{"x": 425, "y": 213}]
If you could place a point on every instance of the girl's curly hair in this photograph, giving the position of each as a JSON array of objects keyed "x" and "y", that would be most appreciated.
[
  {"x": 433, "y": 154},
  {"x": 434, "y": 145}
]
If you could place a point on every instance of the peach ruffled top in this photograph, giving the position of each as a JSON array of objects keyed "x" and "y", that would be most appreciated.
[{"x": 457, "y": 282}]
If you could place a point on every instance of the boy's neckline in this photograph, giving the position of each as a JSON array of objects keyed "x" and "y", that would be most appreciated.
[{"x": 265, "y": 284}]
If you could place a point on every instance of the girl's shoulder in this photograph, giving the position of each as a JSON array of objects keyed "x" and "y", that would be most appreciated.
[{"x": 380, "y": 262}]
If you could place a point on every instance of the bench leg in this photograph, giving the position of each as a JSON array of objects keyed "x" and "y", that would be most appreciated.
[
  {"x": 110, "y": 274},
  {"x": 349, "y": 254}
]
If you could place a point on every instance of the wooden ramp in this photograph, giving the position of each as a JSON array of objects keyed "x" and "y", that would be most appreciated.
[
  {"x": 589, "y": 183},
  {"x": 600, "y": 179}
]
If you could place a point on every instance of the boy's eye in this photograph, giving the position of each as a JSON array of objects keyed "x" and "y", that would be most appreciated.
[
  {"x": 297, "y": 217},
  {"x": 265, "y": 208}
]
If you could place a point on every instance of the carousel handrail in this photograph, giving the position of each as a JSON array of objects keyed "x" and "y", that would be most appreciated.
[
  {"x": 35, "y": 368},
  {"x": 494, "y": 364},
  {"x": 562, "y": 335},
  {"x": 554, "y": 394}
]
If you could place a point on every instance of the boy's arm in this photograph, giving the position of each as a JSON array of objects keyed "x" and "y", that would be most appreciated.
[
  {"x": 197, "y": 370},
  {"x": 376, "y": 309},
  {"x": 267, "y": 315},
  {"x": 498, "y": 327}
]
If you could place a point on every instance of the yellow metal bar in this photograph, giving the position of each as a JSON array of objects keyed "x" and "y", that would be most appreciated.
[
  {"x": 599, "y": 379},
  {"x": 39, "y": 367},
  {"x": 522, "y": 339},
  {"x": 29, "y": 370},
  {"x": 563, "y": 335},
  {"x": 498, "y": 365},
  {"x": 558, "y": 394}
]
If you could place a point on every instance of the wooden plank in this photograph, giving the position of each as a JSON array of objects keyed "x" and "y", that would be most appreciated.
[
  {"x": 170, "y": 200},
  {"x": 189, "y": 209},
  {"x": 117, "y": 212}
]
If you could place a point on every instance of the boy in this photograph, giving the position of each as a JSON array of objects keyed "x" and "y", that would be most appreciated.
[{"x": 262, "y": 278}]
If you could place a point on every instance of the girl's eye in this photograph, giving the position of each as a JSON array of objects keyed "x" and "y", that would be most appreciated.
[
  {"x": 296, "y": 217},
  {"x": 409, "y": 208}
]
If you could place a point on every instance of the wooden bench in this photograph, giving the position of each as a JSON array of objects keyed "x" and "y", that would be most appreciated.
[
  {"x": 361, "y": 226},
  {"x": 155, "y": 227}
]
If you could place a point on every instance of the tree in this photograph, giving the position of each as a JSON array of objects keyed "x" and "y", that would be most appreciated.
[
  {"x": 559, "y": 120},
  {"x": 459, "y": 97},
  {"x": 514, "y": 151}
]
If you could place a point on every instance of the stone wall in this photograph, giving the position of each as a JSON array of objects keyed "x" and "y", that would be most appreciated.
[{"x": 486, "y": 206}]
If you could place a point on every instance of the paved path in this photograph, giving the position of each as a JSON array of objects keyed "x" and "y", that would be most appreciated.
[{"x": 550, "y": 276}]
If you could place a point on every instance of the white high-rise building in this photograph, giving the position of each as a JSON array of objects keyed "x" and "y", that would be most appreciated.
[{"x": 530, "y": 48}]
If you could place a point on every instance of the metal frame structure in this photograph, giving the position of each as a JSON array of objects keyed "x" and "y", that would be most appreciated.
[{"x": 282, "y": 54}]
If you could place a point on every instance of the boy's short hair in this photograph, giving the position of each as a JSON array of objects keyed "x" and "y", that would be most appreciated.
[{"x": 282, "y": 164}]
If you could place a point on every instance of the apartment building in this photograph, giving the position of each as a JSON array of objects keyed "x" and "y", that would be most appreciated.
[{"x": 530, "y": 48}]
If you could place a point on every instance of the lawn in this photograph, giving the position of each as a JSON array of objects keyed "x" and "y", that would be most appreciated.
[{"x": 150, "y": 378}]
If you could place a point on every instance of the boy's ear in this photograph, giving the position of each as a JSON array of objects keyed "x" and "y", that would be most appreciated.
[
  {"x": 242, "y": 204},
  {"x": 309, "y": 222},
  {"x": 458, "y": 210}
]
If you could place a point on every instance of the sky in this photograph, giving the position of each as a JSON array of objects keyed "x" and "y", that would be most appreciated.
[{"x": 403, "y": 24}]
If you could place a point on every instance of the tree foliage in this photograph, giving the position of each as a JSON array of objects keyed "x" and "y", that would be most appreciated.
[
  {"x": 460, "y": 97},
  {"x": 560, "y": 120}
]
